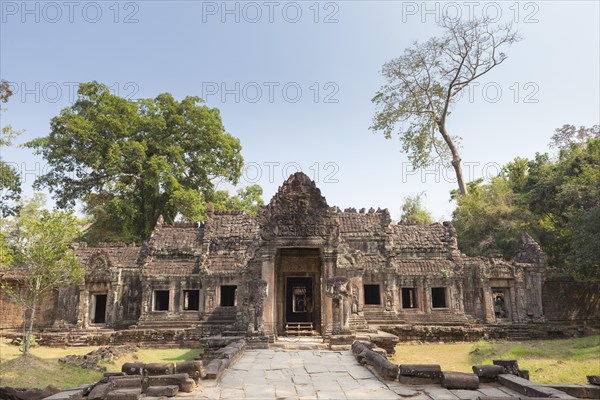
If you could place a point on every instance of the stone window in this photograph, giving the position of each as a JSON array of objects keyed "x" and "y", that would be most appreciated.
[
  {"x": 161, "y": 300},
  {"x": 438, "y": 297},
  {"x": 191, "y": 300},
  {"x": 228, "y": 295},
  {"x": 372, "y": 295},
  {"x": 409, "y": 298}
]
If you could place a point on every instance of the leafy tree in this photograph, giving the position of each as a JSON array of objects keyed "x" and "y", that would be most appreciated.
[
  {"x": 413, "y": 210},
  {"x": 41, "y": 244},
  {"x": 566, "y": 194},
  {"x": 557, "y": 200},
  {"x": 130, "y": 161},
  {"x": 248, "y": 200},
  {"x": 425, "y": 82},
  {"x": 491, "y": 219},
  {"x": 10, "y": 182}
]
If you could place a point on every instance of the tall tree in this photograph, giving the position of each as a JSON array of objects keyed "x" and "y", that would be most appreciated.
[
  {"x": 425, "y": 82},
  {"x": 133, "y": 160},
  {"x": 10, "y": 182},
  {"x": 41, "y": 244}
]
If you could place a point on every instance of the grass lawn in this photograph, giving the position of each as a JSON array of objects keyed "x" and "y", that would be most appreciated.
[
  {"x": 548, "y": 361},
  {"x": 43, "y": 368}
]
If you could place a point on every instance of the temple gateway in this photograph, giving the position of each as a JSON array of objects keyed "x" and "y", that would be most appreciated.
[{"x": 299, "y": 266}]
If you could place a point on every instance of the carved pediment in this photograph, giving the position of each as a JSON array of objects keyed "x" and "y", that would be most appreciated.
[
  {"x": 98, "y": 267},
  {"x": 298, "y": 195},
  {"x": 298, "y": 210}
]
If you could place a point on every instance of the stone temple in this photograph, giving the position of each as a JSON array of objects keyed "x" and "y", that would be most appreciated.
[{"x": 303, "y": 267}]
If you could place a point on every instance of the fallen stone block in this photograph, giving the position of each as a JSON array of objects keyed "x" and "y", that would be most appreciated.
[
  {"x": 153, "y": 369},
  {"x": 124, "y": 394},
  {"x": 360, "y": 346},
  {"x": 384, "y": 368},
  {"x": 182, "y": 380},
  {"x": 214, "y": 369},
  {"x": 511, "y": 366},
  {"x": 10, "y": 393},
  {"x": 529, "y": 388},
  {"x": 119, "y": 382},
  {"x": 71, "y": 394},
  {"x": 460, "y": 380},
  {"x": 194, "y": 369},
  {"x": 158, "y": 391},
  {"x": 523, "y": 373},
  {"x": 488, "y": 373},
  {"x": 593, "y": 379},
  {"x": 579, "y": 391},
  {"x": 136, "y": 368},
  {"x": 100, "y": 391},
  {"x": 420, "y": 373}
]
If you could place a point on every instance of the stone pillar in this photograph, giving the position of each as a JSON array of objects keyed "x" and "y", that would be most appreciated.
[
  {"x": 83, "y": 312},
  {"x": 268, "y": 275},
  {"x": 338, "y": 289}
]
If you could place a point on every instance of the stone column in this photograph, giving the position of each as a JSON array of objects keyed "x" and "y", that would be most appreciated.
[
  {"x": 338, "y": 290},
  {"x": 268, "y": 275}
]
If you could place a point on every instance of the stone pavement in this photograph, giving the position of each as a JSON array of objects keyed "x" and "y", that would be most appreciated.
[{"x": 317, "y": 374}]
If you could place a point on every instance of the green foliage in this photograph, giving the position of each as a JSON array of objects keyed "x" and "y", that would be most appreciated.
[
  {"x": 10, "y": 182},
  {"x": 248, "y": 200},
  {"x": 490, "y": 219},
  {"x": 131, "y": 161},
  {"x": 413, "y": 210},
  {"x": 555, "y": 200},
  {"x": 40, "y": 241}
]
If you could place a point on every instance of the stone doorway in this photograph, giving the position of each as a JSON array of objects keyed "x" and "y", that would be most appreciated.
[{"x": 298, "y": 289}]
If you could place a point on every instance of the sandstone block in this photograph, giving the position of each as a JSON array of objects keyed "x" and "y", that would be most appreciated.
[
  {"x": 135, "y": 368},
  {"x": 194, "y": 369},
  {"x": 153, "y": 369},
  {"x": 460, "y": 380},
  {"x": 124, "y": 394},
  {"x": 158, "y": 391}
]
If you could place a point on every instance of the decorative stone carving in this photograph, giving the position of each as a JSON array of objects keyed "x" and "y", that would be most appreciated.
[{"x": 256, "y": 290}]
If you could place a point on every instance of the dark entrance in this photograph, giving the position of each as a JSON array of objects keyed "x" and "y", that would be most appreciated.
[
  {"x": 99, "y": 309},
  {"x": 299, "y": 300},
  {"x": 372, "y": 295},
  {"x": 298, "y": 290}
]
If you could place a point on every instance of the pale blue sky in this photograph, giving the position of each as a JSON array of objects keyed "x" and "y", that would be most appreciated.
[{"x": 198, "y": 48}]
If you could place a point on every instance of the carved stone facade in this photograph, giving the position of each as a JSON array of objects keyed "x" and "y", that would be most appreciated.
[{"x": 301, "y": 263}]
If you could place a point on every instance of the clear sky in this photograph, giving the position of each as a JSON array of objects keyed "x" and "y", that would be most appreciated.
[{"x": 294, "y": 81}]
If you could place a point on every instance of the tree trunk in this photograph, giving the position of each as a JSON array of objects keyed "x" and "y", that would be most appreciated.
[
  {"x": 455, "y": 158},
  {"x": 31, "y": 318}
]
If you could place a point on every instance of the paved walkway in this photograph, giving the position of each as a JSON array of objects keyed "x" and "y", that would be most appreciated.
[
  {"x": 296, "y": 374},
  {"x": 319, "y": 374}
]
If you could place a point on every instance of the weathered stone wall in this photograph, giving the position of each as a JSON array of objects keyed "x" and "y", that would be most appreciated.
[
  {"x": 566, "y": 300},
  {"x": 11, "y": 316}
]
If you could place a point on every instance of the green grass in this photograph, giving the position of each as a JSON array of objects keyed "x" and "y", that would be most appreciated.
[
  {"x": 42, "y": 367},
  {"x": 548, "y": 361}
]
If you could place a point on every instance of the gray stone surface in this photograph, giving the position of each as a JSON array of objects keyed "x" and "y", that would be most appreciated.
[{"x": 319, "y": 374}]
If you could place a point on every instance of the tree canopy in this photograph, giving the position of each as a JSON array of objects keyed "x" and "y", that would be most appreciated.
[
  {"x": 557, "y": 200},
  {"x": 424, "y": 83},
  {"x": 130, "y": 161}
]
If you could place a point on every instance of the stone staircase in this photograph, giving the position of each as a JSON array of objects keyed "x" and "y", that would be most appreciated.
[
  {"x": 358, "y": 323},
  {"x": 377, "y": 316},
  {"x": 221, "y": 321},
  {"x": 180, "y": 322}
]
